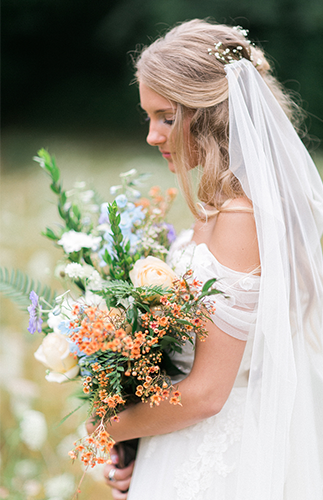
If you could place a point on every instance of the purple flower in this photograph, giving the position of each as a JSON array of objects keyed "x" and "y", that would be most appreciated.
[
  {"x": 35, "y": 311},
  {"x": 171, "y": 235},
  {"x": 104, "y": 217}
]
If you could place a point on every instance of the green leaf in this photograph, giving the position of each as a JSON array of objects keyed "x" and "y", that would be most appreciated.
[
  {"x": 71, "y": 413},
  {"x": 49, "y": 233},
  {"x": 63, "y": 198},
  {"x": 167, "y": 340},
  {"x": 56, "y": 189},
  {"x": 107, "y": 257},
  {"x": 210, "y": 292},
  {"x": 17, "y": 286},
  {"x": 208, "y": 284},
  {"x": 76, "y": 211},
  {"x": 169, "y": 367},
  {"x": 55, "y": 174}
]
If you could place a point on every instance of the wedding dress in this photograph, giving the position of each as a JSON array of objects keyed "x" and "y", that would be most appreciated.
[
  {"x": 267, "y": 441},
  {"x": 196, "y": 462}
]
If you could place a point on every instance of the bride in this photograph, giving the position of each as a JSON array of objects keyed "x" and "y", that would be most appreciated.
[{"x": 250, "y": 425}]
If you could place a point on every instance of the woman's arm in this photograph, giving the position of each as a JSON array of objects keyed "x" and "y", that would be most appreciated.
[
  {"x": 217, "y": 360},
  {"x": 204, "y": 391}
]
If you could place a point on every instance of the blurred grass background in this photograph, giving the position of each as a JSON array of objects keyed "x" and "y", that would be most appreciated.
[{"x": 65, "y": 85}]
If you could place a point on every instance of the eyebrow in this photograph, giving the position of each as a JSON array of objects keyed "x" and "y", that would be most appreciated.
[
  {"x": 173, "y": 110},
  {"x": 165, "y": 110}
]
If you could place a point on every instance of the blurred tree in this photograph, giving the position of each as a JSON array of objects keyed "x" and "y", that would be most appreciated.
[{"x": 67, "y": 63}]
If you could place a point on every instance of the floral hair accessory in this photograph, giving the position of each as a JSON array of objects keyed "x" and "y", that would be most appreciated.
[
  {"x": 230, "y": 55},
  {"x": 243, "y": 31},
  {"x": 226, "y": 55}
]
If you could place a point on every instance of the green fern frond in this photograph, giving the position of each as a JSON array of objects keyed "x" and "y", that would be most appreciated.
[
  {"x": 17, "y": 286},
  {"x": 123, "y": 289}
]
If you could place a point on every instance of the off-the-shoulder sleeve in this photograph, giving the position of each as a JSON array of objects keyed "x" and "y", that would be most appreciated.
[{"x": 235, "y": 315}]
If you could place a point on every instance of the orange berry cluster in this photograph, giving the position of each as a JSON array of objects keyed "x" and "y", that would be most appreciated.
[
  {"x": 159, "y": 205},
  {"x": 94, "y": 449},
  {"x": 124, "y": 364}
]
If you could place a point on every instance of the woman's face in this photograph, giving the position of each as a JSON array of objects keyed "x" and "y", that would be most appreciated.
[{"x": 161, "y": 114}]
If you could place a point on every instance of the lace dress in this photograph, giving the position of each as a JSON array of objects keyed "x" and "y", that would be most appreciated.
[{"x": 200, "y": 462}]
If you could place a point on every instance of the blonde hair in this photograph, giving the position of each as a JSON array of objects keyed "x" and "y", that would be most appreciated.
[{"x": 178, "y": 67}]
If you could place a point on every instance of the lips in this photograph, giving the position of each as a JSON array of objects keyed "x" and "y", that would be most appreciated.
[{"x": 166, "y": 154}]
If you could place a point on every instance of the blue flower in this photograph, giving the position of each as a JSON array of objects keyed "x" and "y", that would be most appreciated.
[
  {"x": 125, "y": 222},
  {"x": 121, "y": 200},
  {"x": 65, "y": 329},
  {"x": 35, "y": 312}
]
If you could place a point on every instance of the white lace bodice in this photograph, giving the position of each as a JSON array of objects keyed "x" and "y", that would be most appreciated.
[{"x": 235, "y": 315}]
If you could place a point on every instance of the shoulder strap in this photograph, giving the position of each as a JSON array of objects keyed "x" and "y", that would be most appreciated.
[{"x": 225, "y": 208}]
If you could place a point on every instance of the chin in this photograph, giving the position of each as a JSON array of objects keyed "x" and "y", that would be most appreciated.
[{"x": 171, "y": 167}]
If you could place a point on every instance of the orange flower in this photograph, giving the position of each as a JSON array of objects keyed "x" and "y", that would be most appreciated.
[
  {"x": 143, "y": 202},
  {"x": 171, "y": 193},
  {"x": 139, "y": 391},
  {"x": 155, "y": 400},
  {"x": 163, "y": 321},
  {"x": 102, "y": 394},
  {"x": 154, "y": 191},
  {"x": 175, "y": 401}
]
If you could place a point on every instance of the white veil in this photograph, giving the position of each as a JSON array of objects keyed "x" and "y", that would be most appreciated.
[{"x": 282, "y": 444}]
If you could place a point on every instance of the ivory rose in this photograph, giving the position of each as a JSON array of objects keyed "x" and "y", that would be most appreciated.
[
  {"x": 55, "y": 354},
  {"x": 152, "y": 272}
]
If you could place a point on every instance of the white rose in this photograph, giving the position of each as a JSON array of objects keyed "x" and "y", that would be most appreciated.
[
  {"x": 55, "y": 354},
  {"x": 152, "y": 272}
]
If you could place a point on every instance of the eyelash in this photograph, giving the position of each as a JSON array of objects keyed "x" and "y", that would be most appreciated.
[{"x": 167, "y": 122}]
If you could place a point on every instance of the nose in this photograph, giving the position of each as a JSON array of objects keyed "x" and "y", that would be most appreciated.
[{"x": 155, "y": 136}]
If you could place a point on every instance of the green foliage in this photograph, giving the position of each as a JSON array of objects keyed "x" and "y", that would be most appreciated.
[
  {"x": 122, "y": 263},
  {"x": 70, "y": 214},
  {"x": 120, "y": 290},
  {"x": 17, "y": 286}
]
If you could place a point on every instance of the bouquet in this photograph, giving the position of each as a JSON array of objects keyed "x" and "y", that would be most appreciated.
[{"x": 126, "y": 310}]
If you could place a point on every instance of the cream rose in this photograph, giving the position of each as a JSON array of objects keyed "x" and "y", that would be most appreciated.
[
  {"x": 152, "y": 272},
  {"x": 55, "y": 354}
]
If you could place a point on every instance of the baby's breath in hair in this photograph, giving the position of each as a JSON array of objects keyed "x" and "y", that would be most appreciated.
[{"x": 227, "y": 55}]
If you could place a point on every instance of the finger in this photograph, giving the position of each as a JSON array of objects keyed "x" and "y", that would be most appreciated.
[
  {"x": 114, "y": 456},
  {"x": 118, "y": 495},
  {"x": 121, "y": 486},
  {"x": 118, "y": 474}
]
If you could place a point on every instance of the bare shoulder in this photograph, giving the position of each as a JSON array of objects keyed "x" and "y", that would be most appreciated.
[{"x": 234, "y": 237}]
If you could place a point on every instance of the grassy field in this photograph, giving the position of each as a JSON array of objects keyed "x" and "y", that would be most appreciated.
[{"x": 27, "y": 207}]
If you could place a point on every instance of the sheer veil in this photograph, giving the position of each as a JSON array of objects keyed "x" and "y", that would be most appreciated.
[{"x": 282, "y": 444}]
